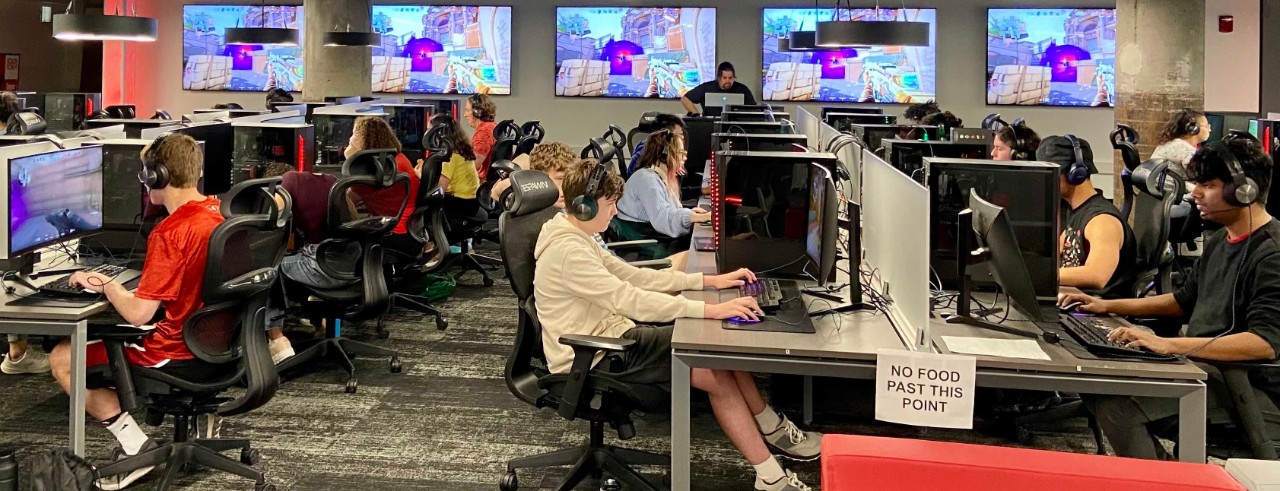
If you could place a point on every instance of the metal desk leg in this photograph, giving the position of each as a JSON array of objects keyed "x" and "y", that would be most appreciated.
[
  {"x": 680, "y": 414},
  {"x": 79, "y": 338},
  {"x": 808, "y": 400},
  {"x": 1192, "y": 420}
]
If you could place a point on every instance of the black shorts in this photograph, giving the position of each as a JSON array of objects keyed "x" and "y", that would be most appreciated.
[
  {"x": 648, "y": 362},
  {"x": 99, "y": 376}
]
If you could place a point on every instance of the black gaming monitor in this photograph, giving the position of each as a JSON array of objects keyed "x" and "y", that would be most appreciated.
[
  {"x": 54, "y": 197},
  {"x": 853, "y": 110},
  {"x": 752, "y": 127},
  {"x": 871, "y": 135},
  {"x": 219, "y": 142},
  {"x": 1028, "y": 191},
  {"x": 845, "y": 121},
  {"x": 754, "y": 116},
  {"x": 994, "y": 232},
  {"x": 822, "y": 230},
  {"x": 908, "y": 155}
]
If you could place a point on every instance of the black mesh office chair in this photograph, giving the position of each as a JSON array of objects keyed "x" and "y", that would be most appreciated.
[
  {"x": 425, "y": 224},
  {"x": 161, "y": 114},
  {"x": 506, "y": 135},
  {"x": 228, "y": 335},
  {"x": 354, "y": 255},
  {"x": 585, "y": 392},
  {"x": 1125, "y": 140},
  {"x": 1154, "y": 191},
  {"x": 1238, "y": 430},
  {"x": 531, "y": 134}
]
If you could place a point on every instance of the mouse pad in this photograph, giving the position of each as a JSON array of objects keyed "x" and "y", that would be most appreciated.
[{"x": 781, "y": 322}]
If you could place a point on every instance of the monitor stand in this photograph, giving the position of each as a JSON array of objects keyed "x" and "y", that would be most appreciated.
[
  {"x": 965, "y": 252},
  {"x": 855, "y": 302},
  {"x": 21, "y": 268}
]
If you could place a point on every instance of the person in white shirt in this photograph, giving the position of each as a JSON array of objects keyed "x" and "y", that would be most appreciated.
[{"x": 1179, "y": 139}]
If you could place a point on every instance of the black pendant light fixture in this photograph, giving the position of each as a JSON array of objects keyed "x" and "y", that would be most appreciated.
[
  {"x": 355, "y": 39},
  {"x": 262, "y": 35},
  {"x": 94, "y": 27},
  {"x": 800, "y": 40},
  {"x": 841, "y": 33}
]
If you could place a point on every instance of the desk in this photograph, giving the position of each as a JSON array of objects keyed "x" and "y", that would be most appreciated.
[
  {"x": 848, "y": 350},
  {"x": 55, "y": 321}
]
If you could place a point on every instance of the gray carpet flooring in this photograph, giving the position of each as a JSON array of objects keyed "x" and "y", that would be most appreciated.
[{"x": 448, "y": 421}]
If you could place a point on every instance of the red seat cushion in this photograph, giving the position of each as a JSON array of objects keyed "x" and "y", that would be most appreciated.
[{"x": 876, "y": 463}]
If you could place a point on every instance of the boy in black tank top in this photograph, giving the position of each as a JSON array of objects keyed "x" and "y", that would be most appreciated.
[{"x": 1097, "y": 251}]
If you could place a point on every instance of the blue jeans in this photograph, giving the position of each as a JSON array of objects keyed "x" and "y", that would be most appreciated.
[{"x": 304, "y": 269}]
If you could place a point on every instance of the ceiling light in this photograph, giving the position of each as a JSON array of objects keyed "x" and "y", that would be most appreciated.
[
  {"x": 356, "y": 39},
  {"x": 94, "y": 27},
  {"x": 798, "y": 41},
  {"x": 849, "y": 33},
  {"x": 262, "y": 35}
]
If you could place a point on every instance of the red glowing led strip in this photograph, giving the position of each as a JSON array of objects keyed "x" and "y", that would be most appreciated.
[{"x": 302, "y": 156}]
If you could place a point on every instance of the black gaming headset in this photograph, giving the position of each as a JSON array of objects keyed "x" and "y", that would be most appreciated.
[
  {"x": 585, "y": 207},
  {"x": 154, "y": 174},
  {"x": 1187, "y": 124},
  {"x": 1242, "y": 191},
  {"x": 1078, "y": 173},
  {"x": 475, "y": 106}
]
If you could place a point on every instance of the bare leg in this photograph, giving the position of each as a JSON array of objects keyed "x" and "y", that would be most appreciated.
[
  {"x": 751, "y": 394},
  {"x": 732, "y": 412},
  {"x": 102, "y": 404},
  {"x": 275, "y": 333},
  {"x": 17, "y": 349}
]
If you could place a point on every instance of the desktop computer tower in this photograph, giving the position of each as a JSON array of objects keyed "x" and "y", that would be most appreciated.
[
  {"x": 68, "y": 111},
  {"x": 260, "y": 144},
  {"x": 332, "y": 132},
  {"x": 410, "y": 123},
  {"x": 698, "y": 133},
  {"x": 754, "y": 127},
  {"x": 452, "y": 107},
  {"x": 760, "y": 209}
]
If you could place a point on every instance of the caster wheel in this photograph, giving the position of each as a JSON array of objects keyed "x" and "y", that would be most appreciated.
[
  {"x": 250, "y": 456},
  {"x": 509, "y": 482},
  {"x": 351, "y": 386},
  {"x": 396, "y": 366},
  {"x": 384, "y": 334},
  {"x": 610, "y": 484},
  {"x": 488, "y": 281},
  {"x": 441, "y": 324},
  {"x": 264, "y": 487}
]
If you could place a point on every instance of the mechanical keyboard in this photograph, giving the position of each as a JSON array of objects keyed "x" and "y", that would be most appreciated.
[
  {"x": 770, "y": 294},
  {"x": 60, "y": 286},
  {"x": 1092, "y": 333}
]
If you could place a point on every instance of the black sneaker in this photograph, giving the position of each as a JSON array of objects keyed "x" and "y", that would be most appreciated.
[{"x": 121, "y": 481}]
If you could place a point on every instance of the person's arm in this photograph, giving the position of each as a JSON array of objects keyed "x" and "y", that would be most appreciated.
[
  {"x": 689, "y": 107},
  {"x": 655, "y": 203},
  {"x": 1105, "y": 236},
  {"x": 587, "y": 277},
  {"x": 482, "y": 145},
  {"x": 652, "y": 279},
  {"x": 748, "y": 97},
  {"x": 1158, "y": 306},
  {"x": 697, "y": 95},
  {"x": 136, "y": 311}
]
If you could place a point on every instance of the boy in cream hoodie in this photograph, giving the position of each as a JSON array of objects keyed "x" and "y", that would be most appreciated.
[{"x": 580, "y": 288}]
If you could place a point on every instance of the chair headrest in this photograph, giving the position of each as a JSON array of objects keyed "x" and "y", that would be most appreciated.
[
  {"x": 600, "y": 150},
  {"x": 507, "y": 130},
  {"x": 1150, "y": 176},
  {"x": 378, "y": 163},
  {"x": 616, "y": 136},
  {"x": 1123, "y": 134},
  {"x": 532, "y": 191},
  {"x": 435, "y": 142},
  {"x": 504, "y": 168},
  {"x": 258, "y": 197}
]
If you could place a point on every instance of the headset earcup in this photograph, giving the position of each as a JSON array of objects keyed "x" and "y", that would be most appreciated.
[
  {"x": 1077, "y": 175},
  {"x": 1246, "y": 193},
  {"x": 583, "y": 208},
  {"x": 158, "y": 177}
]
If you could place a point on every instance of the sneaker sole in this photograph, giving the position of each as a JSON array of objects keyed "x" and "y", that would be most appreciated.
[
  {"x": 13, "y": 371},
  {"x": 795, "y": 458},
  {"x": 128, "y": 480}
]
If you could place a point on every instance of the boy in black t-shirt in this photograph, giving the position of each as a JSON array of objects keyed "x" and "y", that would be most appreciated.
[
  {"x": 1096, "y": 248},
  {"x": 1231, "y": 298}
]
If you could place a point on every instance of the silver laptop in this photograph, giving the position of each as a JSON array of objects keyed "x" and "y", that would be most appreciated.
[{"x": 715, "y": 102}]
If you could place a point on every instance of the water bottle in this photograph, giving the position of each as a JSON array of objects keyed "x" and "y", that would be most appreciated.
[{"x": 8, "y": 470}]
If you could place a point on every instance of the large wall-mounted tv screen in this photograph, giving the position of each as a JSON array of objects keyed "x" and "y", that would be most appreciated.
[
  {"x": 633, "y": 51},
  {"x": 1051, "y": 57},
  {"x": 873, "y": 74},
  {"x": 442, "y": 50},
  {"x": 211, "y": 64}
]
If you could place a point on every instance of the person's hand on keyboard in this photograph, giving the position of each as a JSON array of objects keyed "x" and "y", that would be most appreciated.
[
  {"x": 95, "y": 282},
  {"x": 741, "y": 307},
  {"x": 1138, "y": 338},
  {"x": 1088, "y": 304},
  {"x": 732, "y": 279}
]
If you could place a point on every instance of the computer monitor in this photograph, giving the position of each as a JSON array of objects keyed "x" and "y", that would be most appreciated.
[
  {"x": 54, "y": 197},
  {"x": 760, "y": 143},
  {"x": 1254, "y": 128},
  {"x": 908, "y": 155},
  {"x": 872, "y": 135},
  {"x": 715, "y": 102},
  {"x": 822, "y": 229},
  {"x": 753, "y": 127},
  {"x": 844, "y": 121},
  {"x": 852, "y": 110},
  {"x": 1027, "y": 190},
  {"x": 753, "y": 116},
  {"x": 218, "y": 139},
  {"x": 994, "y": 232},
  {"x": 751, "y": 108}
]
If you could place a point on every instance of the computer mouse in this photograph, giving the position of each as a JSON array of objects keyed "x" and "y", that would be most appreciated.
[
  {"x": 740, "y": 320},
  {"x": 1071, "y": 307}
]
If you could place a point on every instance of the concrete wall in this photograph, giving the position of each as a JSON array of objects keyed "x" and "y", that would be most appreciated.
[
  {"x": 1271, "y": 56},
  {"x": 961, "y": 66},
  {"x": 1232, "y": 60},
  {"x": 48, "y": 65},
  {"x": 1158, "y": 74}
]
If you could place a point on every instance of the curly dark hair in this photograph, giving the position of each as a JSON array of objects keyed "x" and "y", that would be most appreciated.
[
  {"x": 1208, "y": 164},
  {"x": 1012, "y": 135},
  {"x": 376, "y": 133},
  {"x": 946, "y": 120},
  {"x": 1176, "y": 126},
  {"x": 918, "y": 111}
]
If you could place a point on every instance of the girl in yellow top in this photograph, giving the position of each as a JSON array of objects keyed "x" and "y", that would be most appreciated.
[{"x": 458, "y": 176}]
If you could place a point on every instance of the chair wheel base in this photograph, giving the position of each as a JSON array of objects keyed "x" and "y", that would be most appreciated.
[
  {"x": 351, "y": 386},
  {"x": 509, "y": 482},
  {"x": 250, "y": 456},
  {"x": 441, "y": 324},
  {"x": 396, "y": 366}
]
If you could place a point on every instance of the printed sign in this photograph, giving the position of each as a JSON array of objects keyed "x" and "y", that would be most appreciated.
[
  {"x": 925, "y": 389},
  {"x": 9, "y": 73}
]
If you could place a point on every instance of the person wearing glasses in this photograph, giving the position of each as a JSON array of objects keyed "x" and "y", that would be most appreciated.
[{"x": 726, "y": 82}]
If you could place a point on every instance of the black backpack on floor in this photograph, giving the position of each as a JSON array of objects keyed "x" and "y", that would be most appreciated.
[{"x": 61, "y": 470}]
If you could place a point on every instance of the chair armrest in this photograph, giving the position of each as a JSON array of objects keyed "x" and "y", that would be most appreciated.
[
  {"x": 630, "y": 243},
  {"x": 652, "y": 264},
  {"x": 584, "y": 353}
]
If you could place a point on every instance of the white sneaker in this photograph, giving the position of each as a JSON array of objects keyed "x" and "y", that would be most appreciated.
[
  {"x": 121, "y": 481},
  {"x": 790, "y": 442},
  {"x": 789, "y": 483},
  {"x": 32, "y": 361},
  {"x": 281, "y": 350}
]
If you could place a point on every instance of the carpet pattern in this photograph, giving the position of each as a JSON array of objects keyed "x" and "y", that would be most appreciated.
[{"x": 448, "y": 421}]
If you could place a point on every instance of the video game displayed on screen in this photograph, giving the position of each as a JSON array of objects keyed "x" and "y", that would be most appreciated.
[
  {"x": 1051, "y": 57},
  {"x": 211, "y": 64},
  {"x": 53, "y": 196},
  {"x": 442, "y": 50},
  {"x": 871, "y": 74},
  {"x": 634, "y": 52}
]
